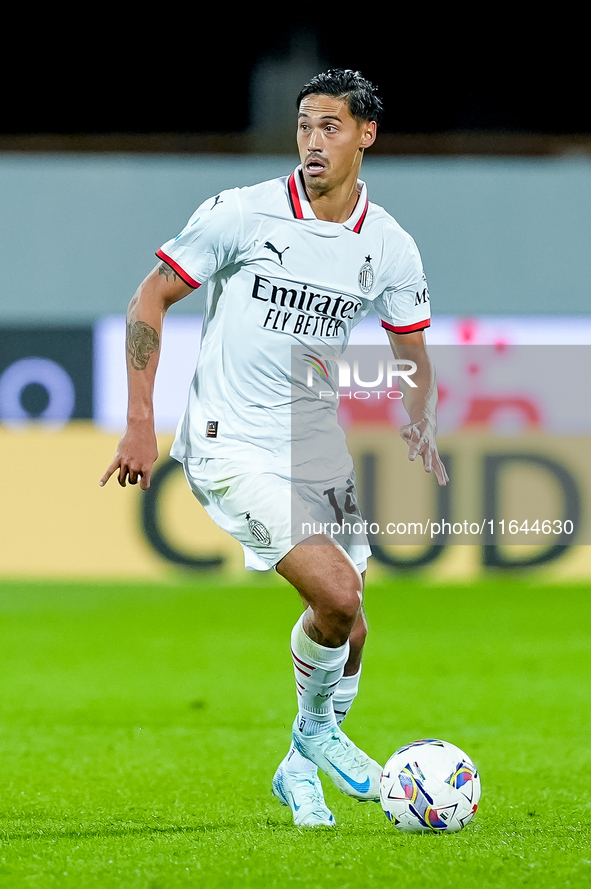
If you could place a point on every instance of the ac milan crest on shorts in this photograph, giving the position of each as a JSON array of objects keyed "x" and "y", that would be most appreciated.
[{"x": 270, "y": 513}]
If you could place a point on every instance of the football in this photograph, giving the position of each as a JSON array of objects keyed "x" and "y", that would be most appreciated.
[{"x": 429, "y": 785}]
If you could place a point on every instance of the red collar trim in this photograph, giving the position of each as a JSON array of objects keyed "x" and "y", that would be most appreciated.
[
  {"x": 294, "y": 197},
  {"x": 302, "y": 209},
  {"x": 361, "y": 220}
]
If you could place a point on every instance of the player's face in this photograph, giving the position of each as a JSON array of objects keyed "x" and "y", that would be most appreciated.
[{"x": 330, "y": 142}]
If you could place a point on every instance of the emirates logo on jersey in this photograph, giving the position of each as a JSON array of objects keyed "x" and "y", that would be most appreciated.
[{"x": 366, "y": 275}]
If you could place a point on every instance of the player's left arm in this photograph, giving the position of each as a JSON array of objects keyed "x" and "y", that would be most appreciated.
[{"x": 420, "y": 402}]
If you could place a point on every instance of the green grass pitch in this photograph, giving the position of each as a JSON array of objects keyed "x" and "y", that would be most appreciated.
[{"x": 141, "y": 725}]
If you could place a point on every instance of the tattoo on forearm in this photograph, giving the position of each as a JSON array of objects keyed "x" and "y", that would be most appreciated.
[
  {"x": 168, "y": 272},
  {"x": 142, "y": 340}
]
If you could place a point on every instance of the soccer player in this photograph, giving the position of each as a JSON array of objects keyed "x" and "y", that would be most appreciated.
[{"x": 295, "y": 261}]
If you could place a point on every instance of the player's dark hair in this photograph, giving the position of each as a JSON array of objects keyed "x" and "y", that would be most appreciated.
[{"x": 360, "y": 95}]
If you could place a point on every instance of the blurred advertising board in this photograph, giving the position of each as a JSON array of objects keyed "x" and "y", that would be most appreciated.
[
  {"x": 57, "y": 522},
  {"x": 46, "y": 373},
  {"x": 57, "y": 374},
  {"x": 180, "y": 350},
  {"x": 515, "y": 433}
]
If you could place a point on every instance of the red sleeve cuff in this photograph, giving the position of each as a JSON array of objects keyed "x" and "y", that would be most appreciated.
[
  {"x": 420, "y": 325},
  {"x": 180, "y": 272}
]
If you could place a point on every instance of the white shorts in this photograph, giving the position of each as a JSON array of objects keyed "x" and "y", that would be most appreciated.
[{"x": 269, "y": 513}]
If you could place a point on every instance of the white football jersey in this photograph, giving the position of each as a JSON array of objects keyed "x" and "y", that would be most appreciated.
[{"x": 277, "y": 277}]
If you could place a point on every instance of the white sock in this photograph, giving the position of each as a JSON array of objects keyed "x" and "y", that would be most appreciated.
[
  {"x": 345, "y": 694},
  {"x": 295, "y": 762},
  {"x": 318, "y": 671},
  {"x": 342, "y": 701}
]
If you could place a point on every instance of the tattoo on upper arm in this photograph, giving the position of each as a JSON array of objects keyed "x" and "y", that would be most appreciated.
[
  {"x": 168, "y": 272},
  {"x": 142, "y": 340}
]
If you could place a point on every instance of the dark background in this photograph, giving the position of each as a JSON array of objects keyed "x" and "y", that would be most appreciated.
[
  {"x": 70, "y": 347},
  {"x": 183, "y": 69}
]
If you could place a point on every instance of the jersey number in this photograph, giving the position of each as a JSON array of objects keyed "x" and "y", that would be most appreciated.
[{"x": 350, "y": 505}]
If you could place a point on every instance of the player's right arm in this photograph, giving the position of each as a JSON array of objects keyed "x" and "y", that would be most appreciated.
[{"x": 138, "y": 450}]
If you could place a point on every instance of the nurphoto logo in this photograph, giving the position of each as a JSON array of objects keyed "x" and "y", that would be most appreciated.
[{"x": 386, "y": 371}]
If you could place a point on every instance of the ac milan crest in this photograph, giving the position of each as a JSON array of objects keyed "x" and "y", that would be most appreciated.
[
  {"x": 366, "y": 275},
  {"x": 259, "y": 532}
]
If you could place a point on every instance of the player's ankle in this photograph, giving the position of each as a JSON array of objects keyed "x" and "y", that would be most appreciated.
[
  {"x": 315, "y": 724},
  {"x": 295, "y": 763}
]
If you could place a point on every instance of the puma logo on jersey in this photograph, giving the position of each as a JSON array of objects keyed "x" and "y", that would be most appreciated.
[{"x": 269, "y": 246}]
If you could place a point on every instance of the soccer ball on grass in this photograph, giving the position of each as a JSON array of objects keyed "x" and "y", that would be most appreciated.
[{"x": 430, "y": 785}]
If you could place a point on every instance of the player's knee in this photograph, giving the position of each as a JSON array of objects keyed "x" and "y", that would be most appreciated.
[
  {"x": 342, "y": 607},
  {"x": 358, "y": 634}
]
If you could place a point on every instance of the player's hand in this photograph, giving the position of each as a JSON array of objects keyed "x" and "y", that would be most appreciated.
[
  {"x": 420, "y": 438},
  {"x": 135, "y": 457}
]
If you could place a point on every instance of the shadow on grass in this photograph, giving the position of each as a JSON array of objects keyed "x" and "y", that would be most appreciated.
[{"x": 140, "y": 830}]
